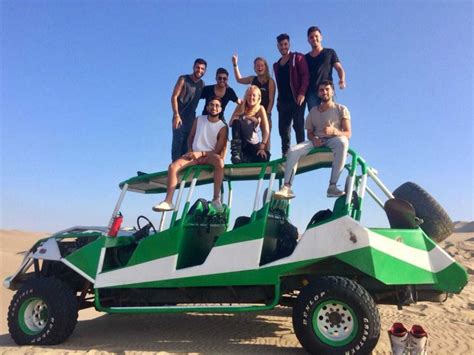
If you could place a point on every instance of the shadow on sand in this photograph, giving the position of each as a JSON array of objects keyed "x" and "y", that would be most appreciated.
[{"x": 242, "y": 333}]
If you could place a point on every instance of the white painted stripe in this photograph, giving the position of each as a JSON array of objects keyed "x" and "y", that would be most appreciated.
[
  {"x": 333, "y": 238},
  {"x": 363, "y": 185},
  {"x": 351, "y": 180},
  {"x": 100, "y": 264},
  {"x": 79, "y": 271},
  {"x": 223, "y": 259},
  {"x": 257, "y": 195}
]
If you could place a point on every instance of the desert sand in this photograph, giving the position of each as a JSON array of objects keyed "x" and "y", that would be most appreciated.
[{"x": 449, "y": 324}]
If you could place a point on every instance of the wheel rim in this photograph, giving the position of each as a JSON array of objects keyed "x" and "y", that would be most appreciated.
[
  {"x": 33, "y": 316},
  {"x": 334, "y": 323}
]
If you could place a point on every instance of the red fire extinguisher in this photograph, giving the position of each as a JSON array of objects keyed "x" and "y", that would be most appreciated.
[{"x": 117, "y": 222}]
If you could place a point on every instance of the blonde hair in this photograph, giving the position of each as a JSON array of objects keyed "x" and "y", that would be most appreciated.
[
  {"x": 266, "y": 74},
  {"x": 244, "y": 108}
]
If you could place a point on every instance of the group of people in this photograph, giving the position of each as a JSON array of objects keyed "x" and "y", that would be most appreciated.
[{"x": 299, "y": 78}]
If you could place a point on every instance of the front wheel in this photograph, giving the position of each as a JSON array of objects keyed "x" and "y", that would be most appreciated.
[
  {"x": 42, "y": 312},
  {"x": 334, "y": 315}
]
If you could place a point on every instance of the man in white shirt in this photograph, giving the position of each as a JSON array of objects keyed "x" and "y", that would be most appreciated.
[
  {"x": 207, "y": 141},
  {"x": 327, "y": 125}
]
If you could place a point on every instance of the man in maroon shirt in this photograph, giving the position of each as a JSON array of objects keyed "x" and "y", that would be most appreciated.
[{"x": 292, "y": 77}]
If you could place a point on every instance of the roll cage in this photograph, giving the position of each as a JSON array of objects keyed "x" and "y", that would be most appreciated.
[{"x": 356, "y": 184}]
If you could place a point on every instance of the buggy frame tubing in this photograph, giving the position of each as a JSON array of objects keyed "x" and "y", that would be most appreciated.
[
  {"x": 379, "y": 183},
  {"x": 117, "y": 206},
  {"x": 181, "y": 309}
]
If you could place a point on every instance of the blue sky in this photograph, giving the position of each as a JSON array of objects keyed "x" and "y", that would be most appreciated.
[{"x": 86, "y": 85}]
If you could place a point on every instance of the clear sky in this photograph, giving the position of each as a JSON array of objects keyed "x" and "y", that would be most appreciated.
[{"x": 86, "y": 86}]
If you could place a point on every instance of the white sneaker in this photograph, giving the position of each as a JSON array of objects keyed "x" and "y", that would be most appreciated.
[
  {"x": 217, "y": 206},
  {"x": 399, "y": 339},
  {"x": 163, "y": 206},
  {"x": 285, "y": 193},
  {"x": 418, "y": 340},
  {"x": 333, "y": 191}
]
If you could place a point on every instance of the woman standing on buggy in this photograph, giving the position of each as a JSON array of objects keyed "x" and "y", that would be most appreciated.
[{"x": 246, "y": 119}]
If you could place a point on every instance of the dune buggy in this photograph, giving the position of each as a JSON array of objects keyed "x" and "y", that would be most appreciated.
[{"x": 332, "y": 274}]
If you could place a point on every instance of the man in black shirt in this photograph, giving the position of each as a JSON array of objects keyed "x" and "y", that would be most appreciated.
[
  {"x": 292, "y": 76},
  {"x": 320, "y": 63},
  {"x": 220, "y": 90},
  {"x": 184, "y": 100}
]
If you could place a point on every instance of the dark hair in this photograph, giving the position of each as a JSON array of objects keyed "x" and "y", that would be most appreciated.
[
  {"x": 214, "y": 98},
  {"x": 222, "y": 71},
  {"x": 326, "y": 83},
  {"x": 200, "y": 61},
  {"x": 313, "y": 29},
  {"x": 282, "y": 37}
]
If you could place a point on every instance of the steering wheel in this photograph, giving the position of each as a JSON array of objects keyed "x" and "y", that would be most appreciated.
[{"x": 145, "y": 227}]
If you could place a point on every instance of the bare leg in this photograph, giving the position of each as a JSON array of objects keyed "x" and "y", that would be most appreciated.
[
  {"x": 218, "y": 163},
  {"x": 173, "y": 170}
]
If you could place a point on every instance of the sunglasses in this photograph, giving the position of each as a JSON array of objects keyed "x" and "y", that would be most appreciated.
[{"x": 221, "y": 78}]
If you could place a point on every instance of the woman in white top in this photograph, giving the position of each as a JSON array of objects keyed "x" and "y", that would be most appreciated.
[{"x": 207, "y": 139}]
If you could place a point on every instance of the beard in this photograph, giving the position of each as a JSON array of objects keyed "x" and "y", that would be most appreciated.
[{"x": 326, "y": 99}]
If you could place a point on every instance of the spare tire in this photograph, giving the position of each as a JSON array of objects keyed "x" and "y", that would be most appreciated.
[{"x": 436, "y": 222}]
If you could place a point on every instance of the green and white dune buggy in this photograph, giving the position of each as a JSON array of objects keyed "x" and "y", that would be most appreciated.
[{"x": 333, "y": 274}]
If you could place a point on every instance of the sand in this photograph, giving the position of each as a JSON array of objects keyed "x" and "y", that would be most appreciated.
[{"x": 449, "y": 325}]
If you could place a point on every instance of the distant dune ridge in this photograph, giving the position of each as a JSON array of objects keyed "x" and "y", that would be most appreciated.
[
  {"x": 464, "y": 227},
  {"x": 449, "y": 324}
]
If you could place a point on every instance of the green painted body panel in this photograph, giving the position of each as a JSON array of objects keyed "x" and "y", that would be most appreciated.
[
  {"x": 114, "y": 242},
  {"x": 385, "y": 268},
  {"x": 87, "y": 258},
  {"x": 261, "y": 276},
  {"x": 157, "y": 246},
  {"x": 392, "y": 271},
  {"x": 452, "y": 279},
  {"x": 244, "y": 233},
  {"x": 414, "y": 238}
]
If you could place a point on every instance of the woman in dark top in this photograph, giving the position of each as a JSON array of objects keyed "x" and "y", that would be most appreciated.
[
  {"x": 220, "y": 90},
  {"x": 247, "y": 119},
  {"x": 262, "y": 80}
]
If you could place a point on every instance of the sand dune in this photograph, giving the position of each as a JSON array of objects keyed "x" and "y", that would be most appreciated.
[
  {"x": 464, "y": 227},
  {"x": 449, "y": 324}
]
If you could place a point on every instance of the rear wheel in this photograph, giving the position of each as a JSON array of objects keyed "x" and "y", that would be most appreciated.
[
  {"x": 335, "y": 315},
  {"x": 43, "y": 312},
  {"x": 436, "y": 222}
]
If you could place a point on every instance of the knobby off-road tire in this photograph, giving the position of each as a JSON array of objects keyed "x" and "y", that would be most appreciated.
[
  {"x": 42, "y": 312},
  {"x": 436, "y": 222},
  {"x": 334, "y": 315}
]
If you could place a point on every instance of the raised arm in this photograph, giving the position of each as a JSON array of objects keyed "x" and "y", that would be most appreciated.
[
  {"x": 342, "y": 75},
  {"x": 174, "y": 102},
  {"x": 238, "y": 77}
]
